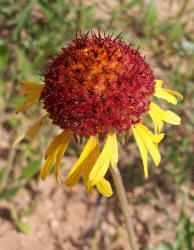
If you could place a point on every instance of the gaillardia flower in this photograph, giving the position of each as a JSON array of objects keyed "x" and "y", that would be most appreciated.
[{"x": 98, "y": 85}]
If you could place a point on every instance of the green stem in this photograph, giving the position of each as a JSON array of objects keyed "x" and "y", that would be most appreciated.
[{"x": 124, "y": 205}]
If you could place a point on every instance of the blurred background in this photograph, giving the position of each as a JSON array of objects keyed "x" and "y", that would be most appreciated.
[{"x": 42, "y": 215}]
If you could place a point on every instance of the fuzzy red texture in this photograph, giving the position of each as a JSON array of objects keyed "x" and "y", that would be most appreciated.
[{"x": 97, "y": 84}]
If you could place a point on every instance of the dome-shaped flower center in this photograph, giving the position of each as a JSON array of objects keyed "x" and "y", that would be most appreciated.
[{"x": 97, "y": 84}]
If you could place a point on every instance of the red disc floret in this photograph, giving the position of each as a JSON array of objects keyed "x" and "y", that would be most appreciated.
[{"x": 97, "y": 84}]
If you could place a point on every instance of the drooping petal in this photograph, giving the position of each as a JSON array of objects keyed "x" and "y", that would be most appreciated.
[
  {"x": 142, "y": 149},
  {"x": 32, "y": 131},
  {"x": 48, "y": 165},
  {"x": 147, "y": 140},
  {"x": 86, "y": 171},
  {"x": 73, "y": 177},
  {"x": 55, "y": 152},
  {"x": 85, "y": 162},
  {"x": 92, "y": 158},
  {"x": 104, "y": 187},
  {"x": 64, "y": 143},
  {"x": 101, "y": 166},
  {"x": 55, "y": 143}
]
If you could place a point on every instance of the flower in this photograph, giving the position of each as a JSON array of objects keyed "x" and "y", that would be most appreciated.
[{"x": 98, "y": 87}]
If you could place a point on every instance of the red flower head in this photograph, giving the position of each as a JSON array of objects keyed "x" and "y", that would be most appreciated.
[{"x": 96, "y": 84}]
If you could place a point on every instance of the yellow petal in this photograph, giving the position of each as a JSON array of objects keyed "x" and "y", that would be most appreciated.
[
  {"x": 33, "y": 86},
  {"x": 85, "y": 162},
  {"x": 59, "y": 143},
  {"x": 63, "y": 146},
  {"x": 57, "y": 164},
  {"x": 159, "y": 83},
  {"x": 104, "y": 187},
  {"x": 114, "y": 154},
  {"x": 174, "y": 93},
  {"x": 154, "y": 119},
  {"x": 167, "y": 116},
  {"x": 142, "y": 149},
  {"x": 33, "y": 91},
  {"x": 165, "y": 95},
  {"x": 24, "y": 106},
  {"x": 88, "y": 188},
  {"x": 158, "y": 123},
  {"x": 171, "y": 117},
  {"x": 149, "y": 145},
  {"x": 48, "y": 165},
  {"x": 73, "y": 177},
  {"x": 32, "y": 97},
  {"x": 53, "y": 145},
  {"x": 156, "y": 138},
  {"x": 31, "y": 100},
  {"x": 101, "y": 166},
  {"x": 91, "y": 160}
]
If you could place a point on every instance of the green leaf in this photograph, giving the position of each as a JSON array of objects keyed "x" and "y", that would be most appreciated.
[
  {"x": 24, "y": 227},
  {"x": 46, "y": 8},
  {"x": 179, "y": 242},
  {"x": 4, "y": 54},
  {"x": 166, "y": 246},
  {"x": 23, "y": 18},
  {"x": 24, "y": 65},
  {"x": 2, "y": 173},
  {"x": 176, "y": 31},
  {"x": 9, "y": 192},
  {"x": 12, "y": 121},
  {"x": 32, "y": 169},
  {"x": 88, "y": 13},
  {"x": 113, "y": 16},
  {"x": 60, "y": 4},
  {"x": 151, "y": 15},
  {"x": 189, "y": 228}
]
